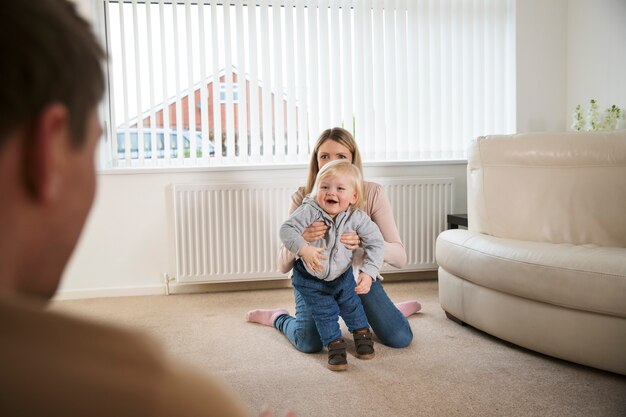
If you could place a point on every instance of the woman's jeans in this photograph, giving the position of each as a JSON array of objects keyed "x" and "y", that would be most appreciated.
[
  {"x": 327, "y": 300},
  {"x": 386, "y": 321}
]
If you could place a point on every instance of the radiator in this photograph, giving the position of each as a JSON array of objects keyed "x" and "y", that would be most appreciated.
[{"x": 229, "y": 232}]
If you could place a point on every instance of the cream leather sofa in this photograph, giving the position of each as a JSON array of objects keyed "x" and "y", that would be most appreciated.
[{"x": 543, "y": 261}]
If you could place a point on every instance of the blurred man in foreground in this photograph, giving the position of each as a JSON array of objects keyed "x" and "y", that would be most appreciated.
[{"x": 50, "y": 364}]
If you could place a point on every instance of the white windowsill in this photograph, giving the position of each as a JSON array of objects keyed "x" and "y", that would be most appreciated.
[{"x": 278, "y": 166}]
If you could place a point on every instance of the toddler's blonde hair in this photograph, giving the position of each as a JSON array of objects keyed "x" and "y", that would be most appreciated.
[{"x": 342, "y": 167}]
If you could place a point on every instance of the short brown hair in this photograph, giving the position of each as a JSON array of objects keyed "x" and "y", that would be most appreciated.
[
  {"x": 49, "y": 55},
  {"x": 339, "y": 135}
]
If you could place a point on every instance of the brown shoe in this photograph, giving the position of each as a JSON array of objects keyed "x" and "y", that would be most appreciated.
[
  {"x": 337, "y": 355},
  {"x": 364, "y": 344}
]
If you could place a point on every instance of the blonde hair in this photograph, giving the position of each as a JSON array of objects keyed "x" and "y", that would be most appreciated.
[
  {"x": 342, "y": 167},
  {"x": 341, "y": 136}
]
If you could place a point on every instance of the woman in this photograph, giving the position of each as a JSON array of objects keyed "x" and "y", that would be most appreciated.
[{"x": 388, "y": 321}]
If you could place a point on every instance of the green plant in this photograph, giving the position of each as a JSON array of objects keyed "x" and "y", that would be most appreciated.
[
  {"x": 611, "y": 117},
  {"x": 579, "y": 120},
  {"x": 608, "y": 120}
]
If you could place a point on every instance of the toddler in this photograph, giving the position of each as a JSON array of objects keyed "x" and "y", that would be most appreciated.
[{"x": 322, "y": 272}]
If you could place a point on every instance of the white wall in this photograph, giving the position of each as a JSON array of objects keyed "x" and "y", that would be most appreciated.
[
  {"x": 568, "y": 52},
  {"x": 541, "y": 64},
  {"x": 596, "y": 54}
]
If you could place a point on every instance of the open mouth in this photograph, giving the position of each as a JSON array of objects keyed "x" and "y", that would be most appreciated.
[{"x": 331, "y": 201}]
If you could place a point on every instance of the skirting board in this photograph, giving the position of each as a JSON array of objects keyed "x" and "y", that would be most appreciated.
[
  {"x": 110, "y": 292},
  {"x": 214, "y": 287}
]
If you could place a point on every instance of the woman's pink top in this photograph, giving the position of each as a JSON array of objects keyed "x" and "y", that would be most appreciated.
[{"x": 378, "y": 208}]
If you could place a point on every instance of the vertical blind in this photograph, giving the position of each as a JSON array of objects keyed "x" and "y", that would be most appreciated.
[{"x": 207, "y": 83}]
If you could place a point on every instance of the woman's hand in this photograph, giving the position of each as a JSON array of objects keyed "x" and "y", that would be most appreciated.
[
  {"x": 351, "y": 240},
  {"x": 364, "y": 283},
  {"x": 315, "y": 231}
]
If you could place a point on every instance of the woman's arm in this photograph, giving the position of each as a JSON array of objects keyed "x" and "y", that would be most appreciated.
[
  {"x": 379, "y": 210},
  {"x": 285, "y": 257}
]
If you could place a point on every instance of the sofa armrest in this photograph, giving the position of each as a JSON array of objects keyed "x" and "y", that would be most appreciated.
[{"x": 549, "y": 187}]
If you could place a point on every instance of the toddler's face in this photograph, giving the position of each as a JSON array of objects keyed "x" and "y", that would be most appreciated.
[{"x": 335, "y": 194}]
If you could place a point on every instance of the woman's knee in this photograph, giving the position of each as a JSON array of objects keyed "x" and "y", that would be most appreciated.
[
  {"x": 400, "y": 338},
  {"x": 309, "y": 345}
]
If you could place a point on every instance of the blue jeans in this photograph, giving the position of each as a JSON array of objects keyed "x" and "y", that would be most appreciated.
[
  {"x": 386, "y": 321},
  {"x": 328, "y": 300}
]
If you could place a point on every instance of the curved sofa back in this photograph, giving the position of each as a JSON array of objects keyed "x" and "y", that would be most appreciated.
[{"x": 549, "y": 187}]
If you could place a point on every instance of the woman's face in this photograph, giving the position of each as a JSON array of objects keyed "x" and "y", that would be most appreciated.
[{"x": 330, "y": 150}]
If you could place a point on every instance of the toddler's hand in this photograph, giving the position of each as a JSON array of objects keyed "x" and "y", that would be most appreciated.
[
  {"x": 312, "y": 257},
  {"x": 364, "y": 283}
]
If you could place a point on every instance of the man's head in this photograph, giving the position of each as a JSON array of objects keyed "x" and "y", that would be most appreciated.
[
  {"x": 51, "y": 82},
  {"x": 49, "y": 54}
]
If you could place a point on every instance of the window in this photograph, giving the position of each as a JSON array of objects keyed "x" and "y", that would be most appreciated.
[
  {"x": 224, "y": 91},
  {"x": 255, "y": 83},
  {"x": 160, "y": 144}
]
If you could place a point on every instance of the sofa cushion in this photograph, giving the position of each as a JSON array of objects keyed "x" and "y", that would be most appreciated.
[{"x": 585, "y": 277}]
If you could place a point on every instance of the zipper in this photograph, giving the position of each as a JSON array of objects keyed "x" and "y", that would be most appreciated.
[{"x": 330, "y": 253}]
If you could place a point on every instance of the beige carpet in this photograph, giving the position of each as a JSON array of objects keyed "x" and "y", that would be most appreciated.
[{"x": 449, "y": 370}]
